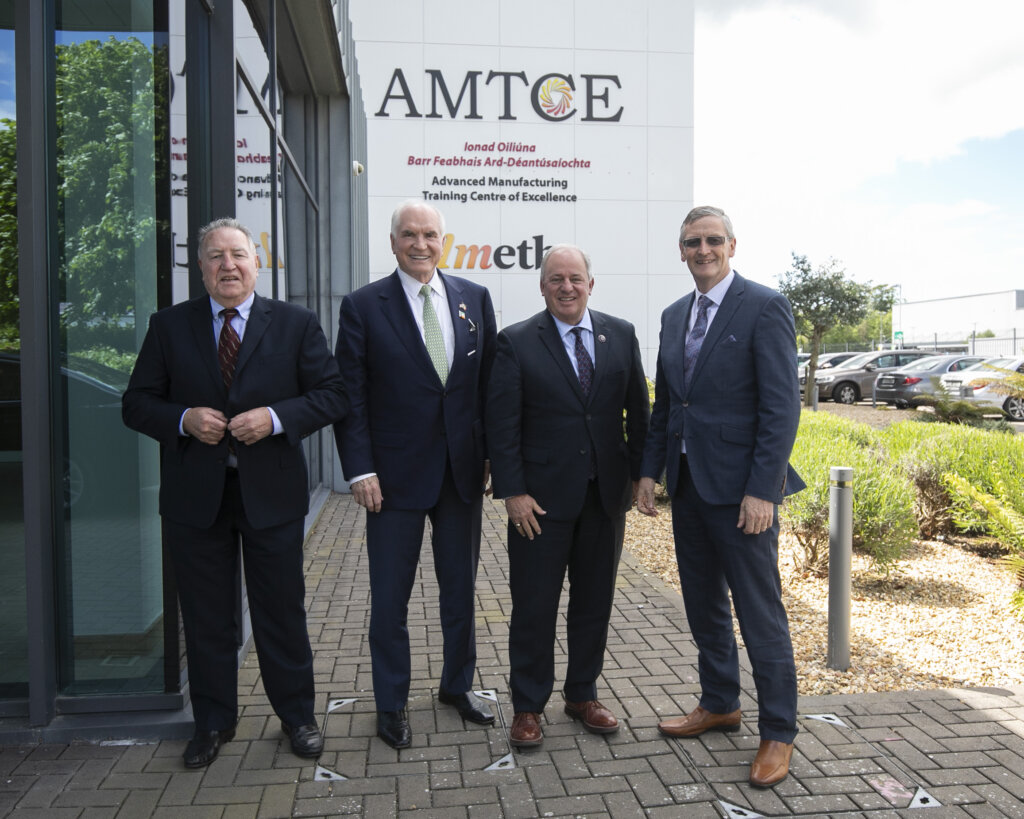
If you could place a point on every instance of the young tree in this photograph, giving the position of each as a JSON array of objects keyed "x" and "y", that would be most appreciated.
[{"x": 822, "y": 298}]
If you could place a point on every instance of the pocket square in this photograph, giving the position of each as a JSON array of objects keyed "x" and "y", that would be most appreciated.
[{"x": 471, "y": 352}]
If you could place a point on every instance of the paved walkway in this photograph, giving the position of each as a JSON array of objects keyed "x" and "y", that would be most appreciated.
[{"x": 921, "y": 754}]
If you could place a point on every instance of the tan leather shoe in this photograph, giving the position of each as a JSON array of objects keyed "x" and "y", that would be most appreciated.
[
  {"x": 771, "y": 765},
  {"x": 595, "y": 717},
  {"x": 698, "y": 721},
  {"x": 526, "y": 731}
]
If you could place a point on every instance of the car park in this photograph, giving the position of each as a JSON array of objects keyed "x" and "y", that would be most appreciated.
[
  {"x": 918, "y": 382},
  {"x": 855, "y": 377},
  {"x": 825, "y": 362},
  {"x": 975, "y": 386}
]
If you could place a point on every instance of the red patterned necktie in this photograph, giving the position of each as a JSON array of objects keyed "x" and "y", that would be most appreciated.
[{"x": 227, "y": 346}]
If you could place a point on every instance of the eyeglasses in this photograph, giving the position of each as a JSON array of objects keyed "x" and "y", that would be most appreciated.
[{"x": 712, "y": 241}]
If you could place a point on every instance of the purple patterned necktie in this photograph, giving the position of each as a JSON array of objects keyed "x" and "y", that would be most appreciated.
[
  {"x": 695, "y": 339},
  {"x": 583, "y": 362},
  {"x": 227, "y": 346}
]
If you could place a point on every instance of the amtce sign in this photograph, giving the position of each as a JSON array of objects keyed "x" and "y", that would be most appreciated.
[{"x": 551, "y": 96}]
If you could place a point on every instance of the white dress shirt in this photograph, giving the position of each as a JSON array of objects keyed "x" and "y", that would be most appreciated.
[{"x": 569, "y": 339}]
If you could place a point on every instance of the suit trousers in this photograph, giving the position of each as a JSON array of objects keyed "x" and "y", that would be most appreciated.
[
  {"x": 205, "y": 565},
  {"x": 714, "y": 557},
  {"x": 589, "y": 548},
  {"x": 393, "y": 541}
]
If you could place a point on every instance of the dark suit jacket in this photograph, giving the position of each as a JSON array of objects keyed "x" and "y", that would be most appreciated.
[
  {"x": 541, "y": 429},
  {"x": 403, "y": 423},
  {"x": 740, "y": 414},
  {"x": 284, "y": 363}
]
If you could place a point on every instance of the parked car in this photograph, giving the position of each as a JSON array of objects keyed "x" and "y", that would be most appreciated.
[
  {"x": 825, "y": 361},
  {"x": 100, "y": 470},
  {"x": 854, "y": 378},
  {"x": 974, "y": 385},
  {"x": 918, "y": 382}
]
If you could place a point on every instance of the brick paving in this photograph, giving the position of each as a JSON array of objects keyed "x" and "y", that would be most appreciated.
[{"x": 921, "y": 754}]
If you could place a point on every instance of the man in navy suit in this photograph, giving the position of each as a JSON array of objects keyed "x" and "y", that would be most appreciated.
[
  {"x": 566, "y": 464},
  {"x": 726, "y": 410},
  {"x": 230, "y": 383},
  {"x": 415, "y": 351}
]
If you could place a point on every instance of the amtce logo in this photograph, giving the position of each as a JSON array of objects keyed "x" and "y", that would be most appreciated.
[{"x": 552, "y": 96}]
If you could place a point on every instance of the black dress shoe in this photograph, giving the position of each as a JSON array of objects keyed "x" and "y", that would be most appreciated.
[
  {"x": 393, "y": 728},
  {"x": 469, "y": 706},
  {"x": 203, "y": 748},
  {"x": 307, "y": 741}
]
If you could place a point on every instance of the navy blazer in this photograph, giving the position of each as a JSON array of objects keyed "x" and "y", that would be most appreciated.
[
  {"x": 739, "y": 416},
  {"x": 404, "y": 424},
  {"x": 284, "y": 363},
  {"x": 542, "y": 429}
]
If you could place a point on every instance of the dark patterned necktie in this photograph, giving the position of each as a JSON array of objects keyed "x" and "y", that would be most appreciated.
[
  {"x": 227, "y": 346},
  {"x": 583, "y": 362},
  {"x": 695, "y": 338}
]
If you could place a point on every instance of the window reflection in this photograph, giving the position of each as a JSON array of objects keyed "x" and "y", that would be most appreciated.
[
  {"x": 111, "y": 99},
  {"x": 13, "y": 613}
]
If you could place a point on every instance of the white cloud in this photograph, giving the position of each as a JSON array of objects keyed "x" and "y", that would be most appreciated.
[{"x": 799, "y": 103}]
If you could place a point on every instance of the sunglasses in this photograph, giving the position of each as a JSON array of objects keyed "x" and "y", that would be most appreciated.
[{"x": 712, "y": 241}]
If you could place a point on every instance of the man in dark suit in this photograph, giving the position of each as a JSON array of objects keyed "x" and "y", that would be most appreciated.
[
  {"x": 415, "y": 350},
  {"x": 567, "y": 466},
  {"x": 726, "y": 410},
  {"x": 230, "y": 383}
]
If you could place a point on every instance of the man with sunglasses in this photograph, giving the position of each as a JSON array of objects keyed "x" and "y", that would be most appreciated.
[{"x": 726, "y": 410}]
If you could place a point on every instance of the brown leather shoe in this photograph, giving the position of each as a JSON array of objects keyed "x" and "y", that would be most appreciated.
[
  {"x": 771, "y": 765},
  {"x": 595, "y": 717},
  {"x": 698, "y": 721},
  {"x": 526, "y": 732}
]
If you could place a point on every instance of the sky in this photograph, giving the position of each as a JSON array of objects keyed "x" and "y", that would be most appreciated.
[{"x": 886, "y": 134}]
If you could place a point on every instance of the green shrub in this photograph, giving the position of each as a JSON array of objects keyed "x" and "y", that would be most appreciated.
[
  {"x": 883, "y": 499},
  {"x": 927, "y": 452},
  {"x": 1000, "y": 519}
]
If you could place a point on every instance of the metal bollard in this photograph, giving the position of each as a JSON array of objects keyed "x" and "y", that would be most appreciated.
[
  {"x": 814, "y": 398},
  {"x": 840, "y": 558}
]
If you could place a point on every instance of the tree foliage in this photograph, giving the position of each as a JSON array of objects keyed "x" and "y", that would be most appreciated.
[
  {"x": 106, "y": 95},
  {"x": 822, "y": 298},
  {"x": 8, "y": 235},
  {"x": 109, "y": 98}
]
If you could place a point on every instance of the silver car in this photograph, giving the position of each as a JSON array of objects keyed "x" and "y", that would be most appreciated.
[
  {"x": 975, "y": 385},
  {"x": 918, "y": 382},
  {"x": 854, "y": 378}
]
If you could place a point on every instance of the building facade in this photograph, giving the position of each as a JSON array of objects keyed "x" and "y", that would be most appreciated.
[
  {"x": 124, "y": 127},
  {"x": 531, "y": 123}
]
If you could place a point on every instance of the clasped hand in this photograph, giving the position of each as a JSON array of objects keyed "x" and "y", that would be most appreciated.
[{"x": 209, "y": 425}]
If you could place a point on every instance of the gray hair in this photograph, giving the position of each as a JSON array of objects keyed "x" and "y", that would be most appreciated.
[
  {"x": 703, "y": 212},
  {"x": 220, "y": 224},
  {"x": 396, "y": 217},
  {"x": 564, "y": 246}
]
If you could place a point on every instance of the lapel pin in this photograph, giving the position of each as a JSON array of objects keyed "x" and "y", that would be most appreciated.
[
  {"x": 462, "y": 315},
  {"x": 602, "y": 339}
]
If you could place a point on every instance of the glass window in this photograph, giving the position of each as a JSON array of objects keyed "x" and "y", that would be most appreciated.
[
  {"x": 111, "y": 101},
  {"x": 13, "y": 613}
]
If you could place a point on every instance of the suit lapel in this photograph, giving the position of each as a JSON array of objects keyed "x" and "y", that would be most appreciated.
[
  {"x": 548, "y": 332},
  {"x": 255, "y": 327},
  {"x": 673, "y": 340},
  {"x": 723, "y": 315},
  {"x": 201, "y": 320},
  {"x": 461, "y": 318},
  {"x": 395, "y": 307},
  {"x": 603, "y": 349}
]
